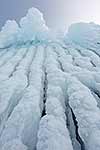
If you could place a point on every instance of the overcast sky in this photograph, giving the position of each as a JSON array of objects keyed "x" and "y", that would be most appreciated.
[{"x": 57, "y": 13}]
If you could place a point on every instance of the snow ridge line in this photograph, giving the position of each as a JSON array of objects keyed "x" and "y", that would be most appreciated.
[
  {"x": 94, "y": 51},
  {"x": 72, "y": 125},
  {"x": 71, "y": 118},
  {"x": 90, "y": 59},
  {"x": 93, "y": 63},
  {"x": 96, "y": 95},
  {"x": 27, "y": 73},
  {"x": 27, "y": 113},
  {"x": 78, "y": 50},
  {"x": 50, "y": 89},
  {"x": 95, "y": 59},
  {"x": 92, "y": 89},
  {"x": 3, "y": 56},
  {"x": 13, "y": 101},
  {"x": 12, "y": 65},
  {"x": 54, "y": 120},
  {"x": 87, "y": 81},
  {"x": 29, "y": 70},
  {"x": 18, "y": 64},
  {"x": 2, "y": 52},
  {"x": 79, "y": 139},
  {"x": 83, "y": 80},
  {"x": 12, "y": 53}
]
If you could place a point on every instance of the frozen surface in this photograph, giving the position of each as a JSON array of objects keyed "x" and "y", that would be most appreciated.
[
  {"x": 32, "y": 27},
  {"x": 86, "y": 35},
  {"x": 49, "y": 86}
]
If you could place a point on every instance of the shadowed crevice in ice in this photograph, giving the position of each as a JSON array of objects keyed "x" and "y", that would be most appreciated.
[
  {"x": 45, "y": 94},
  {"x": 96, "y": 95},
  {"x": 72, "y": 125},
  {"x": 79, "y": 139},
  {"x": 45, "y": 84}
]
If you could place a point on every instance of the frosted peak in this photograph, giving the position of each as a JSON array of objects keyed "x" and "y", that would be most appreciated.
[{"x": 30, "y": 28}]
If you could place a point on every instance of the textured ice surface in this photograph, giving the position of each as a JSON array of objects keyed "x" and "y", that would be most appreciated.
[
  {"x": 86, "y": 35},
  {"x": 32, "y": 27},
  {"x": 49, "y": 87}
]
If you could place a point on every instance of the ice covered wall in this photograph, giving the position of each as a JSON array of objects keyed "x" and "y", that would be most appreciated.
[
  {"x": 31, "y": 27},
  {"x": 85, "y": 34}
]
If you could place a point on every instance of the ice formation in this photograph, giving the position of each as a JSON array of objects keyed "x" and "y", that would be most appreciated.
[
  {"x": 49, "y": 86},
  {"x": 85, "y": 34},
  {"x": 32, "y": 27}
]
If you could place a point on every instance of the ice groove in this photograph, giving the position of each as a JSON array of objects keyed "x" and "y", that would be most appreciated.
[{"x": 44, "y": 95}]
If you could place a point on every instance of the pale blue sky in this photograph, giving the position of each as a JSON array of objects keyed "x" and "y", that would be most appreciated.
[{"x": 57, "y": 13}]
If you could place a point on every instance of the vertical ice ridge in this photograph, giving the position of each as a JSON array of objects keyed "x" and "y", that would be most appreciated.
[
  {"x": 15, "y": 91},
  {"x": 24, "y": 120},
  {"x": 52, "y": 127},
  {"x": 70, "y": 117}
]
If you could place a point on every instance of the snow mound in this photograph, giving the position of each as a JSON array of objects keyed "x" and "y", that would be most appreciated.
[
  {"x": 85, "y": 34},
  {"x": 52, "y": 134},
  {"x": 8, "y": 34},
  {"x": 32, "y": 27}
]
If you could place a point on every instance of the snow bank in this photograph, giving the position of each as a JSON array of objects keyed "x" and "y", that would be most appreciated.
[
  {"x": 11, "y": 90},
  {"x": 24, "y": 120},
  {"x": 7, "y": 69},
  {"x": 9, "y": 33},
  {"x": 86, "y": 111},
  {"x": 53, "y": 134},
  {"x": 85, "y": 34},
  {"x": 31, "y": 27}
]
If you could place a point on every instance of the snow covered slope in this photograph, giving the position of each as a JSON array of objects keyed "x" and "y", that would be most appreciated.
[
  {"x": 86, "y": 35},
  {"x": 49, "y": 89}
]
